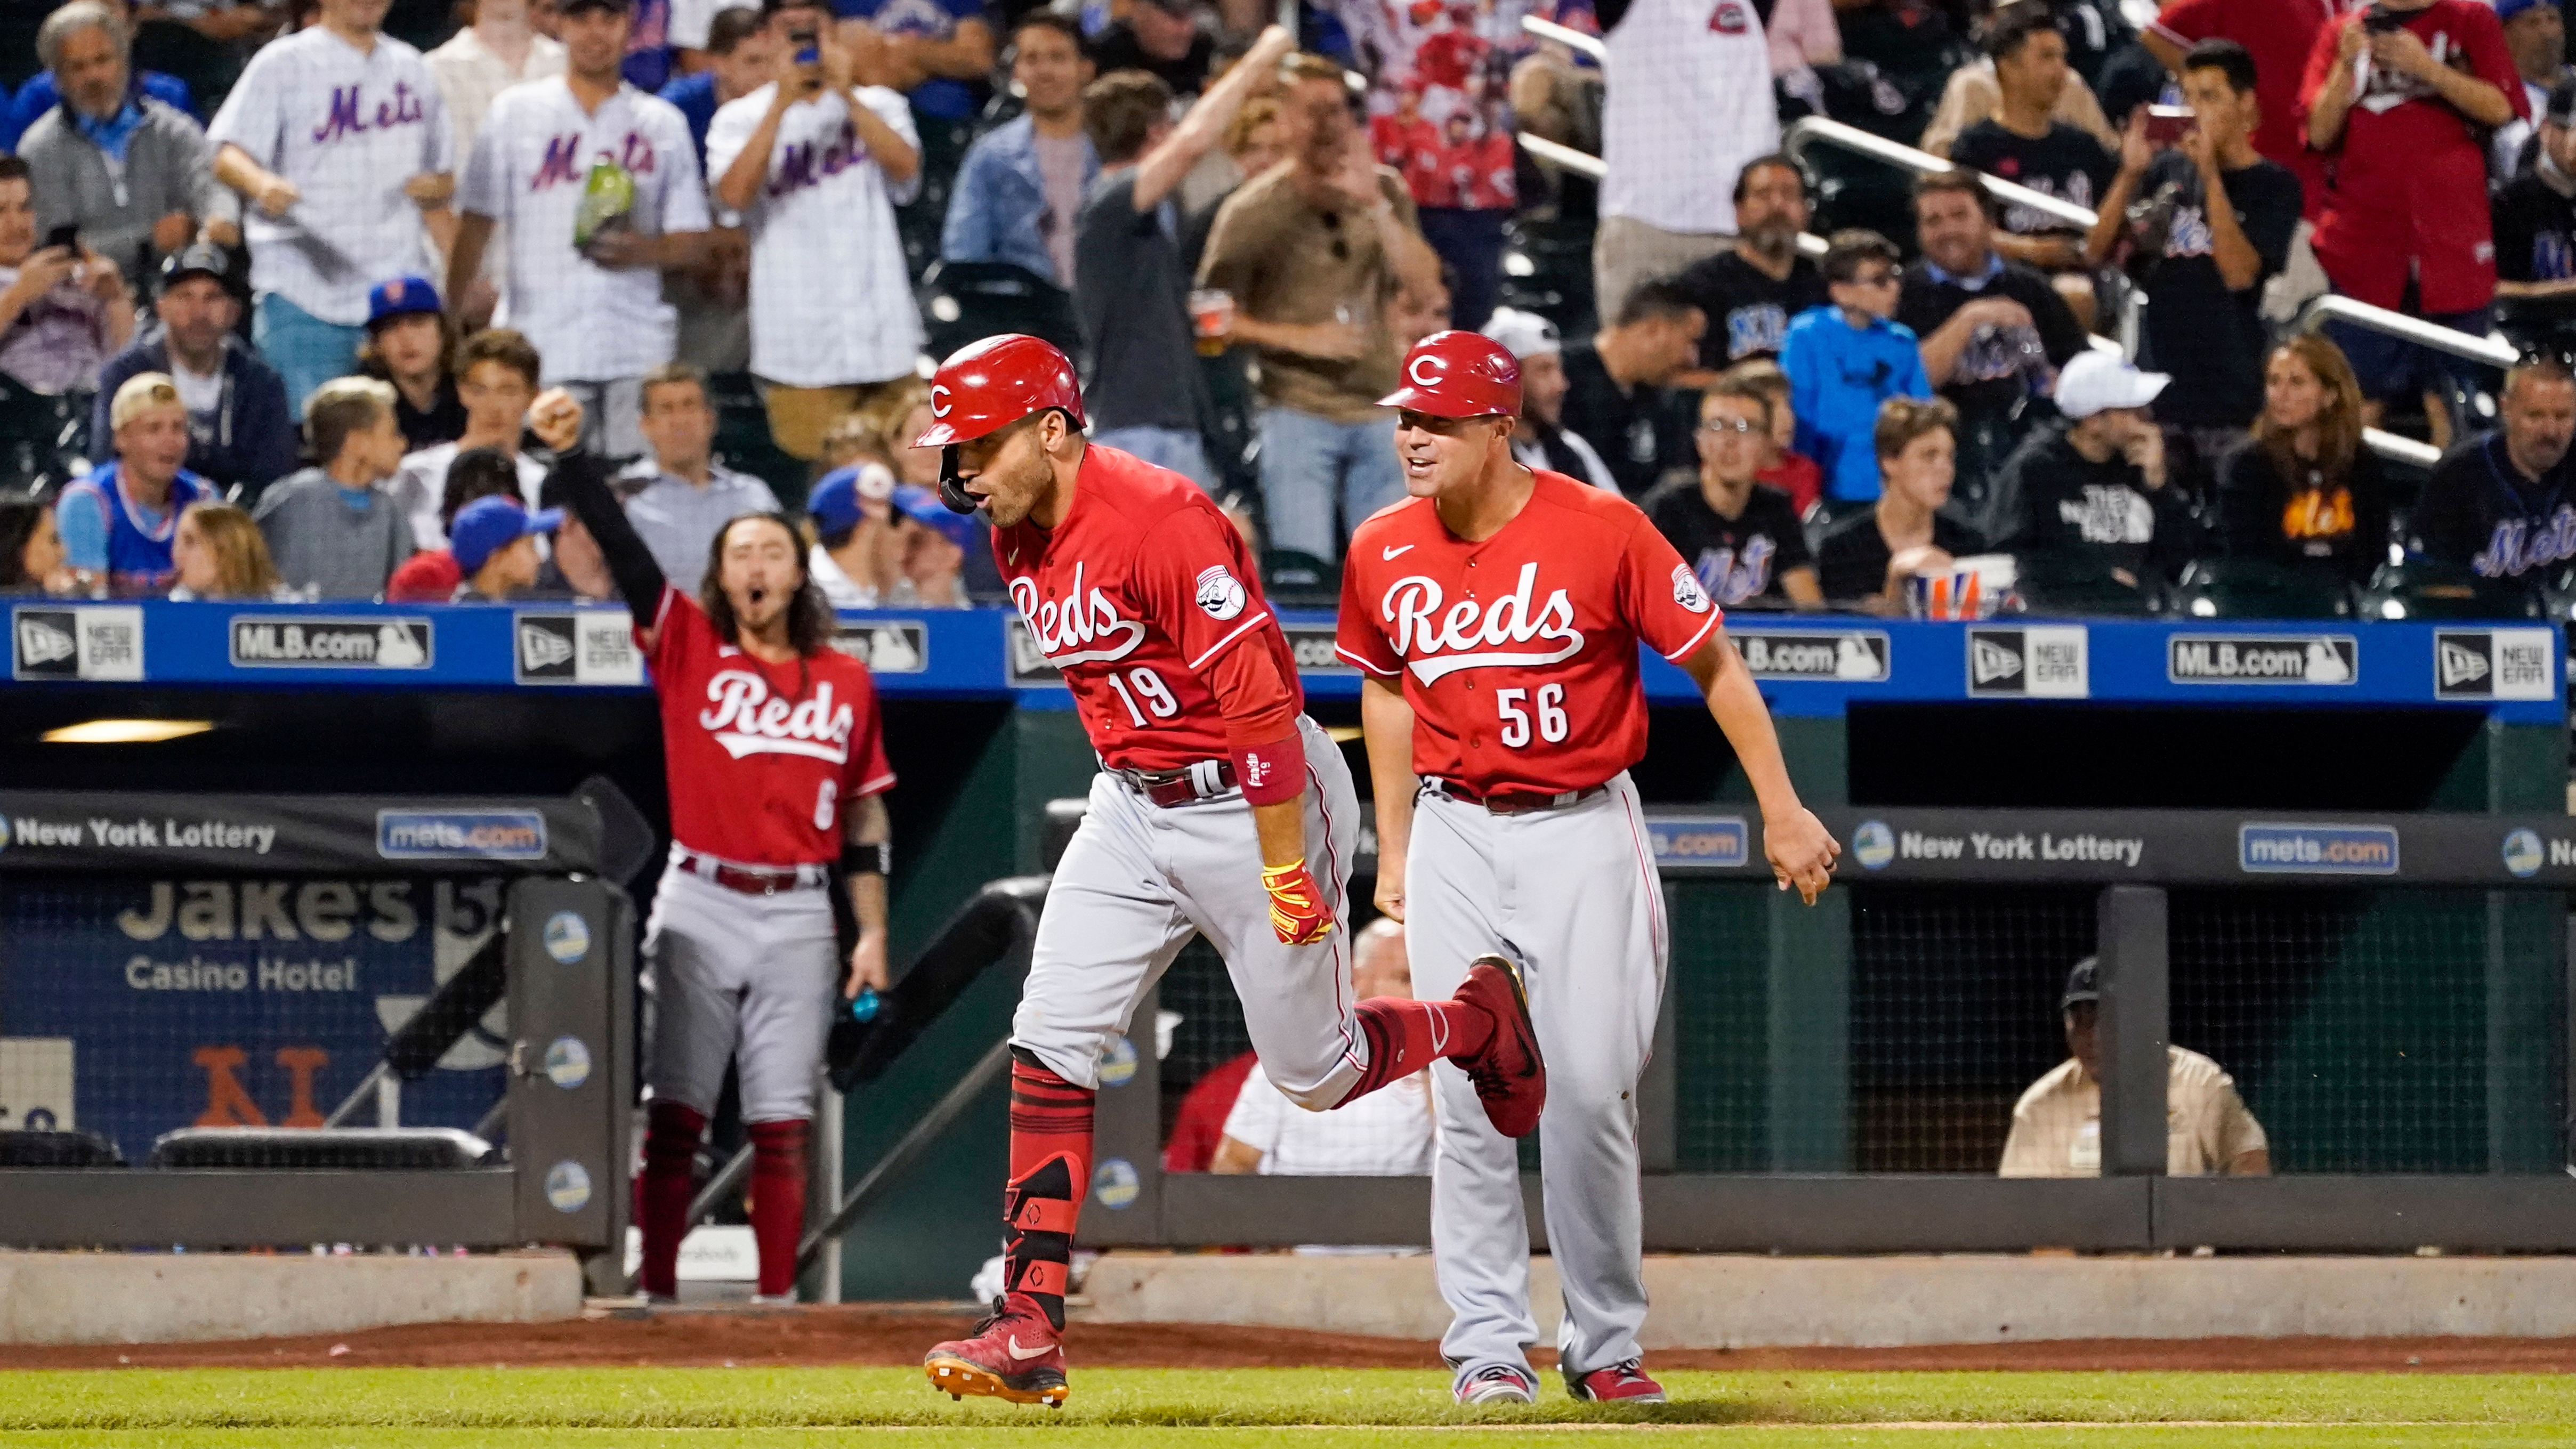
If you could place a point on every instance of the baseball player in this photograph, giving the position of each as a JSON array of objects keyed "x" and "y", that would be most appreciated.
[
  {"x": 1220, "y": 809},
  {"x": 1497, "y": 613},
  {"x": 777, "y": 768}
]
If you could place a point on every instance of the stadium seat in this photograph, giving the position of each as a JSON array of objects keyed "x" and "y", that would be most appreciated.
[
  {"x": 743, "y": 440},
  {"x": 1296, "y": 578},
  {"x": 44, "y": 438},
  {"x": 2077, "y": 587},
  {"x": 2246, "y": 588},
  {"x": 376, "y": 1149},
  {"x": 2422, "y": 588},
  {"x": 964, "y": 301},
  {"x": 58, "y": 1149},
  {"x": 1547, "y": 269}
]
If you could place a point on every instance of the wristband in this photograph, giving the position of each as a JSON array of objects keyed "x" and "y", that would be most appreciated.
[
  {"x": 873, "y": 858},
  {"x": 1273, "y": 772}
]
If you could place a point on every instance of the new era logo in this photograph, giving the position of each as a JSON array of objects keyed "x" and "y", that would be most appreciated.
[
  {"x": 1993, "y": 661},
  {"x": 2460, "y": 665},
  {"x": 2495, "y": 664},
  {"x": 588, "y": 646},
  {"x": 92, "y": 641},
  {"x": 40, "y": 643},
  {"x": 2040, "y": 661},
  {"x": 542, "y": 648}
]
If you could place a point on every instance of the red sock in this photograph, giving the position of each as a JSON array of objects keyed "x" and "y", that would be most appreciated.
[
  {"x": 671, "y": 1137},
  {"x": 778, "y": 1200},
  {"x": 1050, "y": 1173},
  {"x": 1405, "y": 1035}
]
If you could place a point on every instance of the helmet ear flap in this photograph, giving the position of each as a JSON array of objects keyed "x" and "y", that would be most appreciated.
[{"x": 952, "y": 491}]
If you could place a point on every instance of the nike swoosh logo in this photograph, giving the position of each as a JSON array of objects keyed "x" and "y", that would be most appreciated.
[
  {"x": 1391, "y": 553},
  {"x": 1041, "y": 1351}
]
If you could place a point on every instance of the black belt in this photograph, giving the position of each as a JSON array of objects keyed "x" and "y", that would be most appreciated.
[
  {"x": 1512, "y": 802},
  {"x": 1204, "y": 780}
]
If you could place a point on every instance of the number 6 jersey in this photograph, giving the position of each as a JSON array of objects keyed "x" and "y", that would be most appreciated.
[{"x": 1519, "y": 654}]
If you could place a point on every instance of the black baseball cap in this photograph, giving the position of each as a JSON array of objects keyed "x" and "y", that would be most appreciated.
[
  {"x": 575, "y": 7},
  {"x": 197, "y": 259},
  {"x": 2083, "y": 983},
  {"x": 2562, "y": 103}
]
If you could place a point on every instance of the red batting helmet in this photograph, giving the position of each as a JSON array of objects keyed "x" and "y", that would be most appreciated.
[
  {"x": 994, "y": 383},
  {"x": 1458, "y": 374}
]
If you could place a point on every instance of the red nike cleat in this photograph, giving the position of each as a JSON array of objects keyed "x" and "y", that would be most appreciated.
[
  {"x": 1619, "y": 1383},
  {"x": 1015, "y": 1355},
  {"x": 1510, "y": 1078}
]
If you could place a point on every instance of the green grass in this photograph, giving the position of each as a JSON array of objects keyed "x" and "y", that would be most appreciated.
[{"x": 1236, "y": 1409}]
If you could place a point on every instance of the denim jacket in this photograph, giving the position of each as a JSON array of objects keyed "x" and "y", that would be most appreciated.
[{"x": 993, "y": 212}]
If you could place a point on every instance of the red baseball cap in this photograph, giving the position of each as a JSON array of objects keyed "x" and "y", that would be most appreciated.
[
  {"x": 994, "y": 383},
  {"x": 1457, "y": 374}
]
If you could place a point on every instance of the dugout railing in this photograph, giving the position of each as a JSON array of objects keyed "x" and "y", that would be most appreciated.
[
  {"x": 1806, "y": 1057},
  {"x": 195, "y": 978}
]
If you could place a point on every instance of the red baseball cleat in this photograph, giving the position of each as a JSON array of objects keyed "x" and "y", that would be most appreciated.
[
  {"x": 1510, "y": 1078},
  {"x": 1015, "y": 1355},
  {"x": 1620, "y": 1383}
]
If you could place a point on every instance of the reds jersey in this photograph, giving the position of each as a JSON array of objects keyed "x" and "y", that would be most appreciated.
[
  {"x": 1519, "y": 654},
  {"x": 762, "y": 757},
  {"x": 1138, "y": 590}
]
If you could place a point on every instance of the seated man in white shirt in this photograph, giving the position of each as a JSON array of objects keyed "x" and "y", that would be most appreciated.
[
  {"x": 1386, "y": 1134},
  {"x": 686, "y": 497},
  {"x": 2057, "y": 1124},
  {"x": 496, "y": 380}
]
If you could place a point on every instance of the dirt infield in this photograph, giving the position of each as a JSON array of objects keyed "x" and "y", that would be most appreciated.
[{"x": 897, "y": 1336}]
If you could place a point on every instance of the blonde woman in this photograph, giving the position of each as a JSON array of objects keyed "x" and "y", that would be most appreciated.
[{"x": 221, "y": 555}]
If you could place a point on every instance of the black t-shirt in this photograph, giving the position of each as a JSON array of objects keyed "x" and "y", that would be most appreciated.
[
  {"x": 1747, "y": 311},
  {"x": 443, "y": 421},
  {"x": 1736, "y": 558},
  {"x": 1139, "y": 365},
  {"x": 2067, "y": 163},
  {"x": 2209, "y": 338},
  {"x": 1116, "y": 49},
  {"x": 1640, "y": 434},
  {"x": 2479, "y": 510},
  {"x": 2535, "y": 241},
  {"x": 2053, "y": 502},
  {"x": 2000, "y": 366},
  {"x": 2334, "y": 528},
  {"x": 1852, "y": 559}
]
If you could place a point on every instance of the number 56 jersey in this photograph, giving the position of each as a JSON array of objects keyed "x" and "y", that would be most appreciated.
[{"x": 1519, "y": 654}]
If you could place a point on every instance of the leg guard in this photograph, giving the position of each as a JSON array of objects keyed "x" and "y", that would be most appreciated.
[{"x": 1050, "y": 1172}]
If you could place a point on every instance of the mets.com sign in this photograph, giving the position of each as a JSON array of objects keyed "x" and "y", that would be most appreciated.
[
  {"x": 2316, "y": 849},
  {"x": 460, "y": 835}
]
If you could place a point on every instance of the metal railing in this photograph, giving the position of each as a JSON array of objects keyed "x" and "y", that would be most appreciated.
[{"x": 1571, "y": 39}]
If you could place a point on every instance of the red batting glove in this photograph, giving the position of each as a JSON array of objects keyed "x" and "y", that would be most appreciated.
[{"x": 1297, "y": 909}]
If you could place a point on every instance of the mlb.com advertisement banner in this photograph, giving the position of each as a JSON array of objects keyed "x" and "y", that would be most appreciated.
[
  {"x": 136, "y": 1004},
  {"x": 333, "y": 834}
]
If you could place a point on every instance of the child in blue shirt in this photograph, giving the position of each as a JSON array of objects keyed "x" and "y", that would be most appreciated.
[{"x": 1847, "y": 357}]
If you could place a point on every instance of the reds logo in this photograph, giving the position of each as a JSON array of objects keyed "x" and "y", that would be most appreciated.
[
  {"x": 1070, "y": 633},
  {"x": 1727, "y": 18},
  {"x": 1471, "y": 635},
  {"x": 747, "y": 719},
  {"x": 1427, "y": 370},
  {"x": 939, "y": 403}
]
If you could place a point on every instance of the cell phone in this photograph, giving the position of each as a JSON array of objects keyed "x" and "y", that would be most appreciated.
[
  {"x": 2167, "y": 125},
  {"x": 808, "y": 51},
  {"x": 66, "y": 236},
  {"x": 2379, "y": 20}
]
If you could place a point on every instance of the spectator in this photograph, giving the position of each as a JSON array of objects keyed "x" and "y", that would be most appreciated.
[
  {"x": 1387, "y": 1134},
  {"x": 2057, "y": 1124},
  {"x": 240, "y": 433},
  {"x": 1992, "y": 329},
  {"x": 1974, "y": 92},
  {"x": 2023, "y": 144},
  {"x": 586, "y": 289},
  {"x": 934, "y": 53},
  {"x": 334, "y": 529},
  {"x": 31, "y": 550},
  {"x": 1691, "y": 107},
  {"x": 44, "y": 90},
  {"x": 1311, "y": 252},
  {"x": 1198, "y": 1127},
  {"x": 857, "y": 550},
  {"x": 1866, "y": 558},
  {"x": 2279, "y": 37},
  {"x": 2098, "y": 37},
  {"x": 1846, "y": 358},
  {"x": 687, "y": 497},
  {"x": 1161, "y": 37},
  {"x": 408, "y": 345},
  {"x": 132, "y": 172},
  {"x": 1542, "y": 440},
  {"x": 2228, "y": 216},
  {"x": 495, "y": 544},
  {"x": 500, "y": 49},
  {"x": 1783, "y": 466},
  {"x": 1022, "y": 183},
  {"x": 338, "y": 139},
  {"x": 1751, "y": 290},
  {"x": 2500, "y": 502},
  {"x": 2536, "y": 36},
  {"x": 743, "y": 54},
  {"x": 1741, "y": 538},
  {"x": 647, "y": 65},
  {"x": 431, "y": 576},
  {"x": 2404, "y": 223},
  {"x": 2303, "y": 492},
  {"x": 2089, "y": 496},
  {"x": 117, "y": 522},
  {"x": 693, "y": 26},
  {"x": 219, "y": 553},
  {"x": 497, "y": 382},
  {"x": 2535, "y": 230},
  {"x": 1615, "y": 386},
  {"x": 1142, "y": 382},
  {"x": 63, "y": 309},
  {"x": 832, "y": 315},
  {"x": 932, "y": 567},
  {"x": 576, "y": 569},
  {"x": 1801, "y": 35}
]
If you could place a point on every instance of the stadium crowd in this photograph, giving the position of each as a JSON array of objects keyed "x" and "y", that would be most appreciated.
[{"x": 298, "y": 300}]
